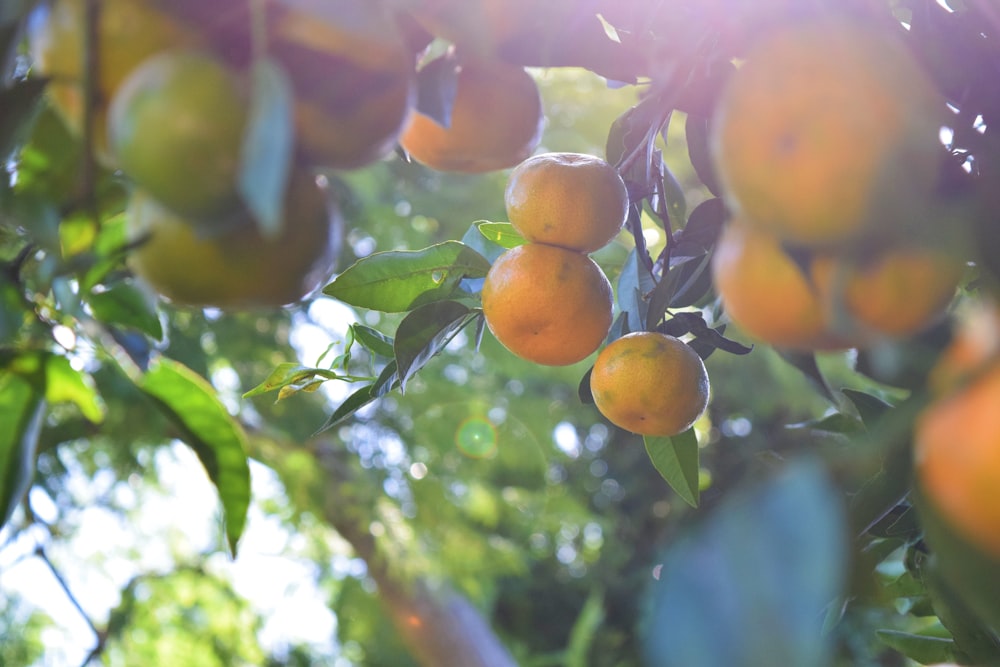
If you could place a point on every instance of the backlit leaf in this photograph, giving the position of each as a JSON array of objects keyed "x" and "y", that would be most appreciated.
[
  {"x": 676, "y": 459},
  {"x": 191, "y": 404},
  {"x": 425, "y": 332},
  {"x": 400, "y": 280}
]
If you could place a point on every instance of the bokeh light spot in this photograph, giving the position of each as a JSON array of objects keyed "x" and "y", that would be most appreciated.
[{"x": 476, "y": 437}]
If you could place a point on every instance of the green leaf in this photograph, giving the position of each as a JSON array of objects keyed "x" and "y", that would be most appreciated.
[
  {"x": 676, "y": 459},
  {"x": 12, "y": 311},
  {"x": 870, "y": 408},
  {"x": 475, "y": 239},
  {"x": 923, "y": 649},
  {"x": 23, "y": 408},
  {"x": 425, "y": 332},
  {"x": 386, "y": 382},
  {"x": 750, "y": 585},
  {"x": 267, "y": 147},
  {"x": 373, "y": 340},
  {"x": 125, "y": 305},
  {"x": 18, "y": 107},
  {"x": 501, "y": 233},
  {"x": 290, "y": 374},
  {"x": 837, "y": 422},
  {"x": 400, "y": 280},
  {"x": 635, "y": 283},
  {"x": 805, "y": 362},
  {"x": 65, "y": 384},
  {"x": 673, "y": 193},
  {"x": 585, "y": 628},
  {"x": 191, "y": 404}
]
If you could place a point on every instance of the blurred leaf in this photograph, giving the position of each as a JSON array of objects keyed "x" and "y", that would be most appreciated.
[
  {"x": 290, "y": 374},
  {"x": 425, "y": 332},
  {"x": 583, "y": 389},
  {"x": 870, "y": 408},
  {"x": 749, "y": 586},
  {"x": 18, "y": 106},
  {"x": 12, "y": 310},
  {"x": 697, "y": 133},
  {"x": 701, "y": 232},
  {"x": 437, "y": 83},
  {"x": 373, "y": 340},
  {"x": 109, "y": 252},
  {"x": 23, "y": 408},
  {"x": 923, "y": 649},
  {"x": 676, "y": 459},
  {"x": 501, "y": 233},
  {"x": 266, "y": 159},
  {"x": 837, "y": 422},
  {"x": 192, "y": 405},
  {"x": 65, "y": 384},
  {"x": 805, "y": 362},
  {"x": 399, "y": 280},
  {"x": 128, "y": 306}
]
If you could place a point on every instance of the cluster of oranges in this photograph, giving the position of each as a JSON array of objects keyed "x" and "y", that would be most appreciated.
[
  {"x": 827, "y": 145},
  {"x": 549, "y": 303},
  {"x": 170, "y": 103}
]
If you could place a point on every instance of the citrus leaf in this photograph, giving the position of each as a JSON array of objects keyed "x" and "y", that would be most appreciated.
[
  {"x": 425, "y": 332},
  {"x": 750, "y": 585},
  {"x": 921, "y": 648},
  {"x": 635, "y": 282},
  {"x": 23, "y": 408},
  {"x": 475, "y": 239},
  {"x": 190, "y": 402},
  {"x": 65, "y": 384},
  {"x": 701, "y": 232},
  {"x": 290, "y": 374},
  {"x": 126, "y": 306},
  {"x": 870, "y": 408},
  {"x": 266, "y": 157},
  {"x": 386, "y": 382},
  {"x": 398, "y": 280},
  {"x": 501, "y": 233},
  {"x": 437, "y": 83},
  {"x": 673, "y": 193},
  {"x": 373, "y": 340},
  {"x": 805, "y": 362},
  {"x": 676, "y": 459}
]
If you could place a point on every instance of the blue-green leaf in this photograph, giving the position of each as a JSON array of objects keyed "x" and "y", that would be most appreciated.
[
  {"x": 267, "y": 146},
  {"x": 126, "y": 305},
  {"x": 22, "y": 407},
  {"x": 750, "y": 585},
  {"x": 424, "y": 332}
]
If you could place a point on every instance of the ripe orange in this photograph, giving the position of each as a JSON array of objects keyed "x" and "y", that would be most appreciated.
[
  {"x": 766, "y": 293},
  {"x": 353, "y": 79},
  {"x": 567, "y": 199},
  {"x": 829, "y": 130},
  {"x": 233, "y": 266},
  {"x": 128, "y": 32},
  {"x": 496, "y": 121},
  {"x": 176, "y": 128},
  {"x": 546, "y": 304},
  {"x": 896, "y": 293},
  {"x": 957, "y": 437},
  {"x": 650, "y": 383}
]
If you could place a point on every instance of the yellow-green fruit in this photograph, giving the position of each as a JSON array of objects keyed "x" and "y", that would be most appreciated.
[
  {"x": 176, "y": 127},
  {"x": 650, "y": 383},
  {"x": 234, "y": 266},
  {"x": 128, "y": 32}
]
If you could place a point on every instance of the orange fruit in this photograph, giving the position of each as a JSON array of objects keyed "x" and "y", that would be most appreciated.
[
  {"x": 567, "y": 199},
  {"x": 828, "y": 131},
  {"x": 496, "y": 120},
  {"x": 353, "y": 79},
  {"x": 233, "y": 266},
  {"x": 547, "y": 304},
  {"x": 650, "y": 383},
  {"x": 176, "y": 128},
  {"x": 896, "y": 293},
  {"x": 957, "y": 437},
  {"x": 128, "y": 32},
  {"x": 766, "y": 293}
]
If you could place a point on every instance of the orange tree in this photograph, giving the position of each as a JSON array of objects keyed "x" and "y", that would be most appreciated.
[{"x": 855, "y": 144}]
